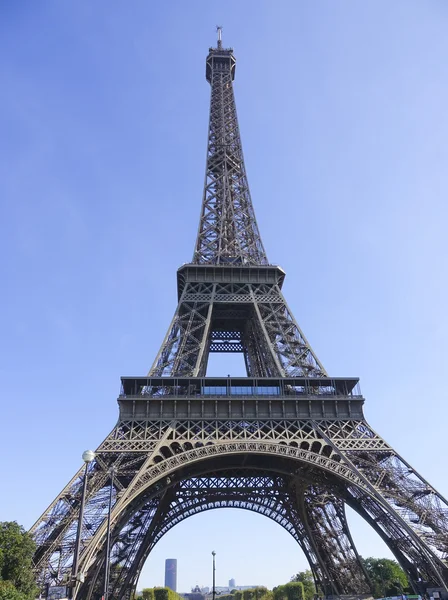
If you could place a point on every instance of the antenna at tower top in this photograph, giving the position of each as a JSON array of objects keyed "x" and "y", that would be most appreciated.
[{"x": 219, "y": 30}]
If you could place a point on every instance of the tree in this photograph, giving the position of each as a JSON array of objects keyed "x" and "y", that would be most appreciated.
[
  {"x": 159, "y": 593},
  {"x": 386, "y": 575},
  {"x": 17, "y": 548},
  {"x": 290, "y": 591},
  {"x": 256, "y": 593},
  {"x": 9, "y": 592},
  {"x": 307, "y": 579}
]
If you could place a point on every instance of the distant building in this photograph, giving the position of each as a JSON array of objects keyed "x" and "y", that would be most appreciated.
[
  {"x": 208, "y": 594},
  {"x": 171, "y": 573},
  {"x": 196, "y": 594}
]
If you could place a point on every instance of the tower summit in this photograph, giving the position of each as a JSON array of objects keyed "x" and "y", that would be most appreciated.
[
  {"x": 287, "y": 441},
  {"x": 219, "y": 32},
  {"x": 228, "y": 231}
]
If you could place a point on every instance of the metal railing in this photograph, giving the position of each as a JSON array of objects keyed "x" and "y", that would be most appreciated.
[{"x": 208, "y": 387}]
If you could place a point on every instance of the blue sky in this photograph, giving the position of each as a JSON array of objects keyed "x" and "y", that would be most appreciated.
[{"x": 104, "y": 110}]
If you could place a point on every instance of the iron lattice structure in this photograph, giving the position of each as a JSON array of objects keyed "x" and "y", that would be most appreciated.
[{"x": 287, "y": 441}]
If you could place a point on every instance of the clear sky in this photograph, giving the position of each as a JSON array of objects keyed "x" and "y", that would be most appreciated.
[{"x": 103, "y": 123}]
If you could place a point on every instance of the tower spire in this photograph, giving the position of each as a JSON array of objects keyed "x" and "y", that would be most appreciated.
[{"x": 228, "y": 231}]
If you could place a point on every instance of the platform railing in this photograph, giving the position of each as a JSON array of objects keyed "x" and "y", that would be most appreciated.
[{"x": 212, "y": 387}]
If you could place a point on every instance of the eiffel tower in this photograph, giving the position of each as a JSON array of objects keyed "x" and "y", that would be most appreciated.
[{"x": 287, "y": 441}]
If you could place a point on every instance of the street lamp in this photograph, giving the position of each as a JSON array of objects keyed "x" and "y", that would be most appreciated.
[
  {"x": 87, "y": 457},
  {"x": 107, "y": 559},
  {"x": 213, "y": 588}
]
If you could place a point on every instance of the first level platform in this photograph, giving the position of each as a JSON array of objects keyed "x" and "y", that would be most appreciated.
[{"x": 156, "y": 398}]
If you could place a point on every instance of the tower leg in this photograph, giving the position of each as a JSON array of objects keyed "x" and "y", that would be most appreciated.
[{"x": 325, "y": 520}]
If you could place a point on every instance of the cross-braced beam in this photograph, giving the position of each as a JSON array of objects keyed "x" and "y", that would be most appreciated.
[
  {"x": 332, "y": 456},
  {"x": 228, "y": 232},
  {"x": 256, "y": 315}
]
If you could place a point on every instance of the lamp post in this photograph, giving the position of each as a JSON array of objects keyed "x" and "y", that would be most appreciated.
[
  {"x": 107, "y": 559},
  {"x": 213, "y": 588},
  {"x": 87, "y": 457}
]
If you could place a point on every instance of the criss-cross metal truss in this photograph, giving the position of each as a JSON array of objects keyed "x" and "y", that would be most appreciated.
[
  {"x": 226, "y": 314},
  {"x": 300, "y": 472},
  {"x": 230, "y": 298},
  {"x": 228, "y": 232},
  {"x": 287, "y": 441}
]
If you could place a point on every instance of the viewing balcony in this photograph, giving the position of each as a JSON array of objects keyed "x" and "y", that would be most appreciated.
[
  {"x": 224, "y": 387},
  {"x": 155, "y": 398}
]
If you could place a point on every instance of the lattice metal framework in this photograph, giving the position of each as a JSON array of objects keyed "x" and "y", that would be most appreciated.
[
  {"x": 228, "y": 232},
  {"x": 287, "y": 442},
  {"x": 229, "y": 316}
]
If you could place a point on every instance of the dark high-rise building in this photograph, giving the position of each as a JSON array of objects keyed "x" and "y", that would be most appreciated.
[{"x": 171, "y": 573}]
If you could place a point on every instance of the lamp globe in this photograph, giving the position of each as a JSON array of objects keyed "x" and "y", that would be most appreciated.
[{"x": 88, "y": 456}]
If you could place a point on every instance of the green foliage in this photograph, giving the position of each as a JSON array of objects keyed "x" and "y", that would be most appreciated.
[
  {"x": 159, "y": 593},
  {"x": 387, "y": 577},
  {"x": 8, "y": 591},
  {"x": 256, "y": 593},
  {"x": 17, "y": 548},
  {"x": 307, "y": 579},
  {"x": 290, "y": 591}
]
